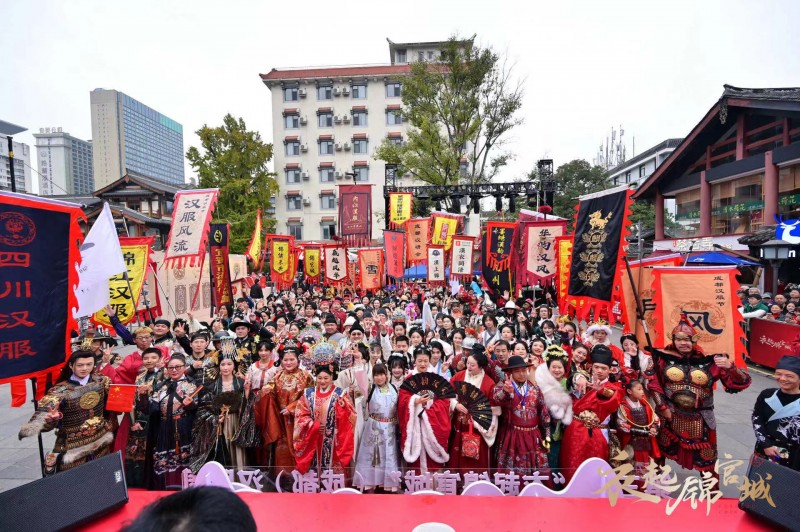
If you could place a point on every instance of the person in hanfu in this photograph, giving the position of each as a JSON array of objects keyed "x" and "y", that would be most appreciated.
[
  {"x": 524, "y": 438},
  {"x": 460, "y": 459},
  {"x": 324, "y": 421},
  {"x": 587, "y": 436},
  {"x": 683, "y": 396},
  {"x": 75, "y": 408},
  {"x": 217, "y": 420},
  {"x": 355, "y": 382},
  {"x": 275, "y": 410},
  {"x": 378, "y": 453},
  {"x": 776, "y": 416},
  {"x": 551, "y": 380},
  {"x": 637, "y": 427},
  {"x": 175, "y": 405},
  {"x": 139, "y": 443}
]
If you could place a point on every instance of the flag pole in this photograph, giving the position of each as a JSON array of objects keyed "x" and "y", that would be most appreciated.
[
  {"x": 39, "y": 434},
  {"x": 639, "y": 306},
  {"x": 166, "y": 294}
]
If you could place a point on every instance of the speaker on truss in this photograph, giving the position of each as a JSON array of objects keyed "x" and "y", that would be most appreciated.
[{"x": 68, "y": 499}]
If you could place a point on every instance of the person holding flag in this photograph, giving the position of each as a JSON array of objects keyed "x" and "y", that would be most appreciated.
[{"x": 683, "y": 394}]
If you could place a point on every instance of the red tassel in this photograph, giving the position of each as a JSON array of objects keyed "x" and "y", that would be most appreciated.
[{"x": 18, "y": 393}]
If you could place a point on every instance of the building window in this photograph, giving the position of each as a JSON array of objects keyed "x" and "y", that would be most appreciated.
[
  {"x": 359, "y": 118},
  {"x": 294, "y": 203},
  {"x": 290, "y": 94},
  {"x": 396, "y": 141},
  {"x": 325, "y": 93},
  {"x": 430, "y": 56},
  {"x": 394, "y": 117},
  {"x": 359, "y": 91},
  {"x": 401, "y": 56},
  {"x": 362, "y": 173},
  {"x": 326, "y": 175},
  {"x": 642, "y": 171},
  {"x": 360, "y": 146},
  {"x": 293, "y": 147},
  {"x": 326, "y": 147},
  {"x": 291, "y": 121},
  {"x": 292, "y": 176},
  {"x": 296, "y": 230},
  {"x": 421, "y": 56},
  {"x": 328, "y": 230},
  {"x": 325, "y": 120},
  {"x": 394, "y": 90},
  {"x": 327, "y": 201},
  {"x": 628, "y": 176}
]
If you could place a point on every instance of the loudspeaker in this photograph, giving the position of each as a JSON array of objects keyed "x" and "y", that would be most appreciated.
[
  {"x": 67, "y": 499},
  {"x": 783, "y": 483}
]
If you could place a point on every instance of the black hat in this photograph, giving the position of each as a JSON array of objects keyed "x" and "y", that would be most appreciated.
[
  {"x": 330, "y": 318},
  {"x": 162, "y": 321},
  {"x": 479, "y": 349},
  {"x": 601, "y": 354},
  {"x": 516, "y": 362},
  {"x": 357, "y": 327},
  {"x": 789, "y": 363}
]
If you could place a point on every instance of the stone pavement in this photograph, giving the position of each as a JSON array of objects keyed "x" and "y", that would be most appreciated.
[{"x": 19, "y": 460}]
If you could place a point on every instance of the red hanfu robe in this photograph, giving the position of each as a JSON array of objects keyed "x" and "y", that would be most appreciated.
[
  {"x": 581, "y": 443},
  {"x": 424, "y": 431},
  {"x": 522, "y": 430},
  {"x": 461, "y": 425},
  {"x": 323, "y": 431}
]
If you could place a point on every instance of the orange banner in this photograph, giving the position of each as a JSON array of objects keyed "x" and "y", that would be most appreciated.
[
  {"x": 370, "y": 268},
  {"x": 417, "y": 240},
  {"x": 642, "y": 271},
  {"x": 708, "y": 298}
]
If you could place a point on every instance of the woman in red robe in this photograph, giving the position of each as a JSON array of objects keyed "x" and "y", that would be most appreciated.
[
  {"x": 424, "y": 424},
  {"x": 587, "y": 436},
  {"x": 525, "y": 423},
  {"x": 475, "y": 374}
]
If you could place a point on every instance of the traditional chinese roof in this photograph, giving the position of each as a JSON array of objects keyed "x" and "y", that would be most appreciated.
[
  {"x": 765, "y": 234},
  {"x": 146, "y": 182}
]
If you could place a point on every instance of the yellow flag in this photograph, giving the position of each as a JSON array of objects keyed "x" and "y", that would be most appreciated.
[
  {"x": 399, "y": 208},
  {"x": 280, "y": 256},
  {"x": 312, "y": 265},
  {"x": 136, "y": 253},
  {"x": 254, "y": 249},
  {"x": 444, "y": 227}
]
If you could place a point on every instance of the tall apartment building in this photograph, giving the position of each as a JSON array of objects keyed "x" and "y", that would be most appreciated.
[
  {"x": 128, "y": 135},
  {"x": 22, "y": 166},
  {"x": 65, "y": 163},
  {"x": 327, "y": 122}
]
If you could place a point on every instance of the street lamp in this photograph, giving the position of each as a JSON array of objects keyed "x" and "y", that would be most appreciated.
[
  {"x": 776, "y": 251},
  {"x": 8, "y": 129}
]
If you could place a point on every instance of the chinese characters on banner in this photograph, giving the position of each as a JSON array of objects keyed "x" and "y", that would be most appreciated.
[
  {"x": 564, "y": 259},
  {"x": 355, "y": 214},
  {"x": 436, "y": 265},
  {"x": 642, "y": 272},
  {"x": 370, "y": 267},
  {"x": 189, "y": 230},
  {"x": 417, "y": 231},
  {"x": 399, "y": 208},
  {"x": 496, "y": 257},
  {"x": 708, "y": 298},
  {"x": 394, "y": 246},
  {"x": 600, "y": 230},
  {"x": 253, "y": 251},
  {"x": 39, "y": 254},
  {"x": 219, "y": 269},
  {"x": 335, "y": 265},
  {"x": 770, "y": 340},
  {"x": 312, "y": 263},
  {"x": 136, "y": 254},
  {"x": 536, "y": 256},
  {"x": 444, "y": 227},
  {"x": 461, "y": 258},
  {"x": 284, "y": 261}
]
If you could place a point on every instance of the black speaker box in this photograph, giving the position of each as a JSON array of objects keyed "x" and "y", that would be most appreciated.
[
  {"x": 784, "y": 488},
  {"x": 67, "y": 499}
]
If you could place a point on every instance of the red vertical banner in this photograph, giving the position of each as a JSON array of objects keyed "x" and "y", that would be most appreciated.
[
  {"x": 461, "y": 258},
  {"x": 335, "y": 265},
  {"x": 370, "y": 268},
  {"x": 355, "y": 214},
  {"x": 436, "y": 266},
  {"x": 417, "y": 231},
  {"x": 394, "y": 245},
  {"x": 564, "y": 259},
  {"x": 497, "y": 255},
  {"x": 536, "y": 255},
  {"x": 219, "y": 269}
]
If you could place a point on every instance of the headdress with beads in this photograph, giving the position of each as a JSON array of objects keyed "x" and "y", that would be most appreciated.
[{"x": 556, "y": 352}]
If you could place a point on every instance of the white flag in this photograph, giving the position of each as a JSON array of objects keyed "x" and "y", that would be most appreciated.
[{"x": 101, "y": 258}]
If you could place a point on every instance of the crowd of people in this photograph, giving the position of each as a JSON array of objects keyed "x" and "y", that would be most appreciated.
[{"x": 371, "y": 384}]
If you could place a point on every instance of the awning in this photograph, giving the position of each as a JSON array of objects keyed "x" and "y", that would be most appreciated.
[{"x": 717, "y": 257}]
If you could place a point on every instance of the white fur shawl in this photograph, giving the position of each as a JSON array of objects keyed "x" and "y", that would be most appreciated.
[{"x": 558, "y": 401}]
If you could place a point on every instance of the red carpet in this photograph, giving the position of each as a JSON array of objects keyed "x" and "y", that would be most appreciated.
[{"x": 290, "y": 512}]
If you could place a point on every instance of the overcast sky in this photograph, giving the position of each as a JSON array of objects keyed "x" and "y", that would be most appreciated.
[{"x": 654, "y": 67}]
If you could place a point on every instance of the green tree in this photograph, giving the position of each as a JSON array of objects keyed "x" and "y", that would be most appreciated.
[
  {"x": 460, "y": 110},
  {"x": 574, "y": 179},
  {"x": 234, "y": 160},
  {"x": 645, "y": 211}
]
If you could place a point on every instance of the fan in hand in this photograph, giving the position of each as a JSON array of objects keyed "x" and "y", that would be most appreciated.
[
  {"x": 476, "y": 402},
  {"x": 430, "y": 384}
]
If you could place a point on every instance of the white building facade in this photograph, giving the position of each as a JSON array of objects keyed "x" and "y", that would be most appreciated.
[
  {"x": 65, "y": 163},
  {"x": 636, "y": 169},
  {"x": 23, "y": 175}
]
